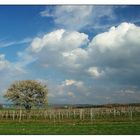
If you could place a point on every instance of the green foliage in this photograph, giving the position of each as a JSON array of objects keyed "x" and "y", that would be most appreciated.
[{"x": 27, "y": 93}]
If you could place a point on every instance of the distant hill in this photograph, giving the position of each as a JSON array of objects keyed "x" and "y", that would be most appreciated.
[{"x": 79, "y": 105}]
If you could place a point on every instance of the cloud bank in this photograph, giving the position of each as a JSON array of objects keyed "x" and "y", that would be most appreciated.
[
  {"x": 98, "y": 70},
  {"x": 109, "y": 59}
]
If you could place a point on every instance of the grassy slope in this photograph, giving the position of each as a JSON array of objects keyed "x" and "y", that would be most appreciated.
[{"x": 40, "y": 127}]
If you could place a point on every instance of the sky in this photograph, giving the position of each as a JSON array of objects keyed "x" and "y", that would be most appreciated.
[{"x": 85, "y": 54}]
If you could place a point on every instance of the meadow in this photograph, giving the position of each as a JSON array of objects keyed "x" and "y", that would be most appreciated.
[{"x": 72, "y": 121}]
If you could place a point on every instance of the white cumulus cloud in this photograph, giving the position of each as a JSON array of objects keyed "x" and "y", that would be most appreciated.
[
  {"x": 60, "y": 48},
  {"x": 93, "y": 71}
]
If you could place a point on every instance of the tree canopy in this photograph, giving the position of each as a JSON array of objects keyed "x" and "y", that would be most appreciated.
[{"x": 27, "y": 93}]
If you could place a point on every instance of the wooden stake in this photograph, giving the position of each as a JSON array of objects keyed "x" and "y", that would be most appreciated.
[
  {"x": 81, "y": 112},
  {"x": 54, "y": 117},
  {"x": 74, "y": 113},
  {"x": 131, "y": 115},
  {"x": 114, "y": 112},
  {"x": 20, "y": 114},
  {"x": 13, "y": 115},
  {"x": 59, "y": 116}
]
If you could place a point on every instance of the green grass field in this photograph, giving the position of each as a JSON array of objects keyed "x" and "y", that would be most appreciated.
[
  {"x": 63, "y": 122},
  {"x": 69, "y": 128}
]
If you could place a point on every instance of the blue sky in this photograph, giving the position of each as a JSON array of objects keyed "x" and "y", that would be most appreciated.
[{"x": 85, "y": 54}]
